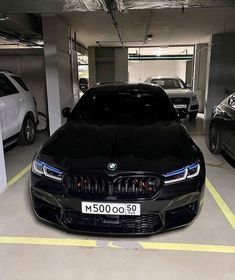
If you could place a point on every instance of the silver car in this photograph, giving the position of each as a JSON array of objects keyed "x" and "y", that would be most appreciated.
[{"x": 183, "y": 98}]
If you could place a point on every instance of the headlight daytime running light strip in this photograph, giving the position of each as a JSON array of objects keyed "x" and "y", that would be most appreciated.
[
  {"x": 182, "y": 174},
  {"x": 41, "y": 168}
]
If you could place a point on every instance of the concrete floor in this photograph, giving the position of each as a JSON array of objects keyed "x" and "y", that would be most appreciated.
[{"x": 123, "y": 258}]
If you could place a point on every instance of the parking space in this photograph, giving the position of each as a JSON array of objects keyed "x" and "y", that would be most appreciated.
[
  {"x": 212, "y": 233},
  {"x": 144, "y": 69},
  {"x": 204, "y": 250}
]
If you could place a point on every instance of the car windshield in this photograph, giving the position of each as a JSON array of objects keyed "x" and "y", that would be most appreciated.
[
  {"x": 168, "y": 83},
  {"x": 124, "y": 108}
]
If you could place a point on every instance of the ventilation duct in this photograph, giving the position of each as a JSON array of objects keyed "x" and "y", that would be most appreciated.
[
  {"x": 125, "y": 5},
  {"x": 22, "y": 28}
]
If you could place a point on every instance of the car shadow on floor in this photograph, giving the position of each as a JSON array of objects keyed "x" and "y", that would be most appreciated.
[{"x": 228, "y": 159}]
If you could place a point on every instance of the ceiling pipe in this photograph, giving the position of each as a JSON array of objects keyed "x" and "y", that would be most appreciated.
[
  {"x": 9, "y": 44},
  {"x": 146, "y": 35},
  {"x": 110, "y": 6},
  {"x": 100, "y": 43}
]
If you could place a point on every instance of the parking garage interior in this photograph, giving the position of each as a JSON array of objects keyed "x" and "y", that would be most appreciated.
[{"x": 51, "y": 45}]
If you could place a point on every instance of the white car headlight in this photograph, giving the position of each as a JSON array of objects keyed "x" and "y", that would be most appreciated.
[
  {"x": 41, "y": 168},
  {"x": 182, "y": 174}
]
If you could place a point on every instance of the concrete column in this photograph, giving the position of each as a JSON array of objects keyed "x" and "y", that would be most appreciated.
[
  {"x": 200, "y": 73},
  {"x": 107, "y": 65},
  {"x": 3, "y": 178},
  {"x": 121, "y": 64},
  {"x": 92, "y": 66},
  {"x": 58, "y": 68},
  {"x": 221, "y": 66}
]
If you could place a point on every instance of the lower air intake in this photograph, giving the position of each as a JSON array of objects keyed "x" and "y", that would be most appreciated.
[{"x": 148, "y": 224}]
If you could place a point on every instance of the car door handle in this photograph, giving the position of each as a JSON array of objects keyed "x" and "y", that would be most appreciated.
[{"x": 21, "y": 99}]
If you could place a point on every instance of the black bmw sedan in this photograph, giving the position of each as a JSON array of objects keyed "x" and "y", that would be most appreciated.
[
  {"x": 122, "y": 164},
  {"x": 222, "y": 127}
]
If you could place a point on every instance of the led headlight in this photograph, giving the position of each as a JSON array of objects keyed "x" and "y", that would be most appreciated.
[
  {"x": 193, "y": 170},
  {"x": 182, "y": 174},
  {"x": 41, "y": 168}
]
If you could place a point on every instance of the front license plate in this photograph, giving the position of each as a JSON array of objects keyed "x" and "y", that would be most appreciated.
[
  {"x": 128, "y": 209},
  {"x": 180, "y": 106}
]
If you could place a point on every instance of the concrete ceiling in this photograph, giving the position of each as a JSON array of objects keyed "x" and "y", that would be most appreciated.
[
  {"x": 168, "y": 26},
  {"x": 170, "y": 22},
  {"x": 56, "y": 6}
]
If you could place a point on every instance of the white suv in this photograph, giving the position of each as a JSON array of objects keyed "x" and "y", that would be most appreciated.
[
  {"x": 18, "y": 114},
  {"x": 181, "y": 95}
]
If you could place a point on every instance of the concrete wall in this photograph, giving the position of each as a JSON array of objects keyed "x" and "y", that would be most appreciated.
[
  {"x": 221, "y": 69},
  {"x": 107, "y": 65},
  {"x": 189, "y": 72},
  {"x": 29, "y": 64},
  {"x": 139, "y": 71},
  {"x": 181, "y": 69}
]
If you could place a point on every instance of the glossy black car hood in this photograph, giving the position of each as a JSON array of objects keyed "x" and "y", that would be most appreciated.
[{"x": 158, "y": 147}]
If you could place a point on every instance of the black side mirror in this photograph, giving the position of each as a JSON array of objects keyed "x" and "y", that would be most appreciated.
[
  {"x": 189, "y": 86},
  {"x": 66, "y": 112},
  {"x": 182, "y": 114},
  {"x": 227, "y": 91}
]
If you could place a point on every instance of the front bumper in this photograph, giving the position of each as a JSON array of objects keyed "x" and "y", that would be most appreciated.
[
  {"x": 170, "y": 209},
  {"x": 189, "y": 109},
  {"x": 187, "y": 104},
  {"x": 193, "y": 108}
]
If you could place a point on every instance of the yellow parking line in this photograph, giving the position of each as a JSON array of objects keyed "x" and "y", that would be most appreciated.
[
  {"x": 114, "y": 244},
  {"x": 19, "y": 175},
  {"x": 47, "y": 241},
  {"x": 221, "y": 203},
  {"x": 188, "y": 247}
]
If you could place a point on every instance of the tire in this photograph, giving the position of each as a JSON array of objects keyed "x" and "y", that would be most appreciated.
[
  {"x": 192, "y": 115},
  {"x": 214, "y": 139},
  {"x": 42, "y": 124},
  {"x": 27, "y": 133}
]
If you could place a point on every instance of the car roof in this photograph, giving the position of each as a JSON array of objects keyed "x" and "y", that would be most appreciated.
[
  {"x": 115, "y": 87},
  {"x": 165, "y": 77}
]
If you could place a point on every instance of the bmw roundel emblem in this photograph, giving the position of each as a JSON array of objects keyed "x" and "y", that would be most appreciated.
[{"x": 112, "y": 166}]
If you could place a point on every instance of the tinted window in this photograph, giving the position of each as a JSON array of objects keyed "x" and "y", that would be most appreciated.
[
  {"x": 20, "y": 82},
  {"x": 169, "y": 83},
  {"x": 6, "y": 86},
  {"x": 124, "y": 108}
]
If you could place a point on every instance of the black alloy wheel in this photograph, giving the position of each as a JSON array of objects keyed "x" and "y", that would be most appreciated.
[
  {"x": 27, "y": 133},
  {"x": 214, "y": 139}
]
